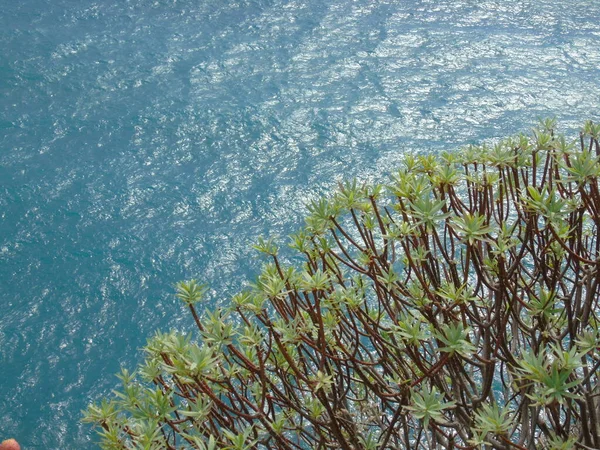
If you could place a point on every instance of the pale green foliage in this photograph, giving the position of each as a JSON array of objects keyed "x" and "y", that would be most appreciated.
[
  {"x": 322, "y": 381},
  {"x": 553, "y": 372},
  {"x": 454, "y": 339},
  {"x": 190, "y": 292},
  {"x": 429, "y": 404},
  {"x": 472, "y": 228},
  {"x": 491, "y": 419},
  {"x": 456, "y": 306}
]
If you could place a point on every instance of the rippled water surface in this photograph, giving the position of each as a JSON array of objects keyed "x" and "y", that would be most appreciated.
[{"x": 143, "y": 142}]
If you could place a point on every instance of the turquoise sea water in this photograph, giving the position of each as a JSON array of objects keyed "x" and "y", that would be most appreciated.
[{"x": 143, "y": 142}]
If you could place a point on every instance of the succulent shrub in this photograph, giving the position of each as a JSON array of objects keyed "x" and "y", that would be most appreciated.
[{"x": 454, "y": 307}]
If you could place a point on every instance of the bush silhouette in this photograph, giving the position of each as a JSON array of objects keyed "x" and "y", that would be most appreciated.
[{"x": 454, "y": 307}]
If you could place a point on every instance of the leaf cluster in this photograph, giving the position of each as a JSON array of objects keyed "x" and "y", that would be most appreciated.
[{"x": 454, "y": 307}]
